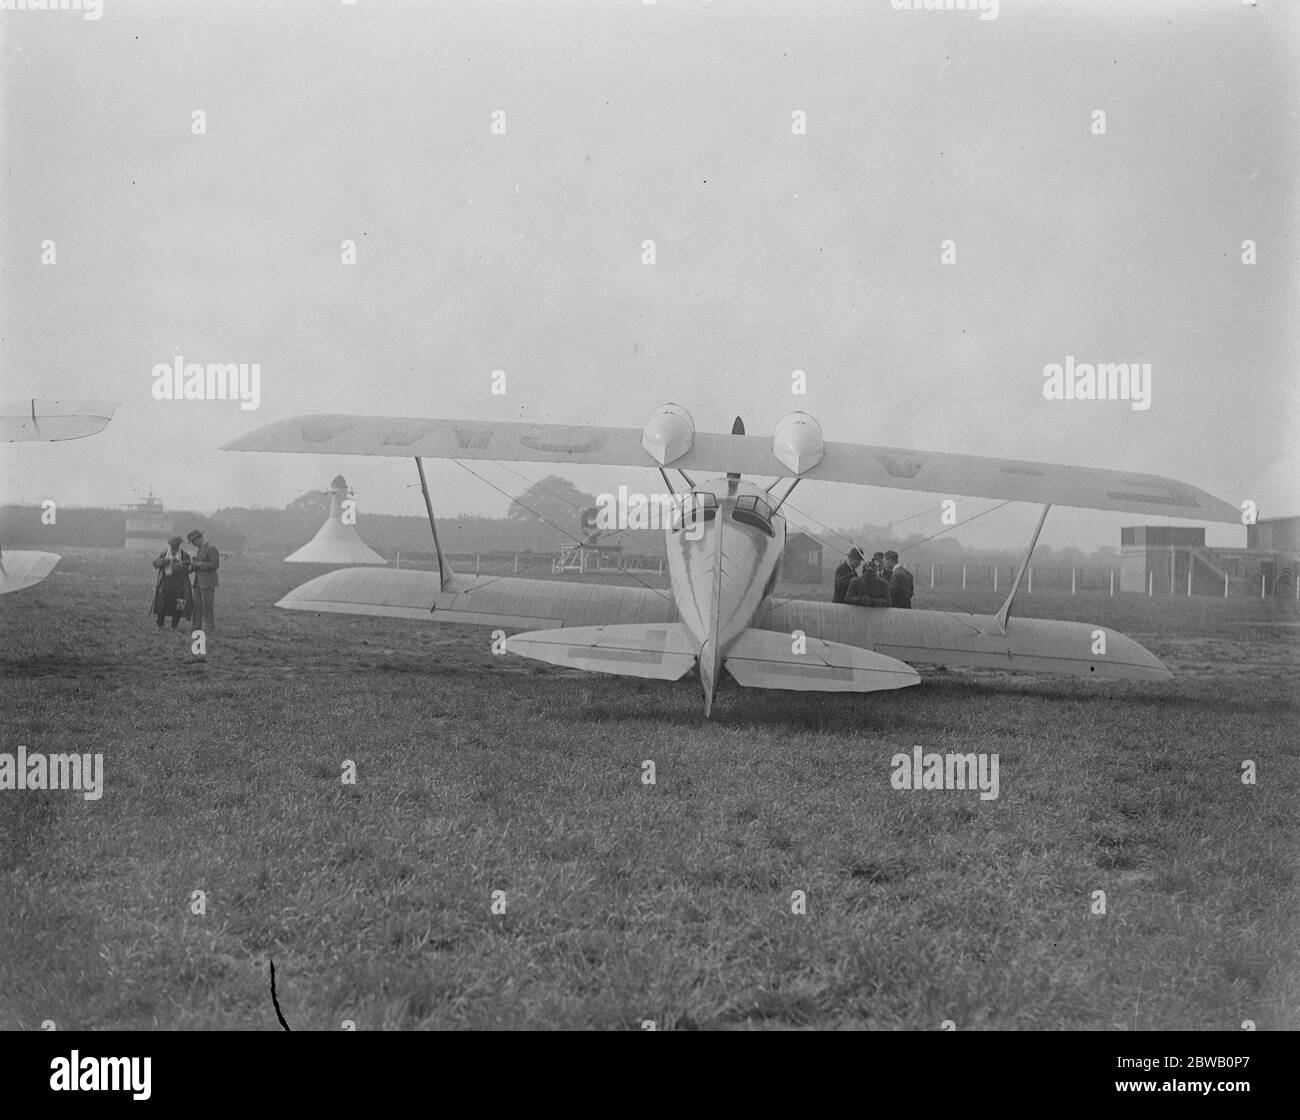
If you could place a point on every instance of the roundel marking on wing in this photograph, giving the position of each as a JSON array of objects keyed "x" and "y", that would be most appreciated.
[
  {"x": 900, "y": 467},
  {"x": 590, "y": 441},
  {"x": 322, "y": 429},
  {"x": 1158, "y": 486},
  {"x": 1160, "y": 499}
]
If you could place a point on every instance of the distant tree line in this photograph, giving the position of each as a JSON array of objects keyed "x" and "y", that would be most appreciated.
[
  {"x": 21, "y": 527},
  {"x": 232, "y": 528}
]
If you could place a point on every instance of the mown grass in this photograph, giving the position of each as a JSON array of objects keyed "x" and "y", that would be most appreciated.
[{"x": 624, "y": 901}]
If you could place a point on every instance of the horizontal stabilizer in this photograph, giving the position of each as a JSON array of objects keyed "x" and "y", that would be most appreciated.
[
  {"x": 23, "y": 569},
  {"x": 664, "y": 652},
  {"x": 763, "y": 659}
]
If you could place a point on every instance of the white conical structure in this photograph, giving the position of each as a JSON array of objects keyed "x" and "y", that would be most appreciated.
[{"x": 336, "y": 543}]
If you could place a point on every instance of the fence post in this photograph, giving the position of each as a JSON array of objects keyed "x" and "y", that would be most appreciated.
[
  {"x": 1112, "y": 581},
  {"x": 963, "y": 577},
  {"x": 995, "y": 577},
  {"x": 1225, "y": 585},
  {"x": 1263, "y": 579},
  {"x": 1189, "y": 579},
  {"x": 1151, "y": 582},
  {"x": 1030, "y": 589},
  {"x": 661, "y": 567},
  {"x": 516, "y": 563},
  {"x": 476, "y": 563},
  {"x": 931, "y": 577},
  {"x": 1073, "y": 585},
  {"x": 399, "y": 559}
]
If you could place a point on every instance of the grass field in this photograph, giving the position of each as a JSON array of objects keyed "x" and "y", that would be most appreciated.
[{"x": 624, "y": 901}]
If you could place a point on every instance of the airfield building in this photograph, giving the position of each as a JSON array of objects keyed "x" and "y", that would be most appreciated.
[
  {"x": 801, "y": 562},
  {"x": 1166, "y": 559},
  {"x": 1276, "y": 534},
  {"x": 148, "y": 525}
]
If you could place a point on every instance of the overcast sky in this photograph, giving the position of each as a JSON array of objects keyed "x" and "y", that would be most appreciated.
[{"x": 627, "y": 122}]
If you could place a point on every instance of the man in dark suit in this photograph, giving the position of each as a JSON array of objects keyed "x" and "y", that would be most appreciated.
[
  {"x": 901, "y": 584},
  {"x": 172, "y": 592},
  {"x": 870, "y": 589},
  {"x": 204, "y": 565},
  {"x": 845, "y": 574}
]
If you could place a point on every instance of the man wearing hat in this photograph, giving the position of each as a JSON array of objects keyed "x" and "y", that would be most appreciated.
[
  {"x": 844, "y": 574},
  {"x": 901, "y": 584},
  {"x": 870, "y": 588},
  {"x": 205, "y": 564},
  {"x": 171, "y": 595}
]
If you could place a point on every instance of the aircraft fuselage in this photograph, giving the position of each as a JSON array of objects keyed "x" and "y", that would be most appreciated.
[{"x": 721, "y": 575}]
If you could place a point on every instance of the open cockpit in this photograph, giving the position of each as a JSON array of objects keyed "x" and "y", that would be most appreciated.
[{"x": 754, "y": 511}]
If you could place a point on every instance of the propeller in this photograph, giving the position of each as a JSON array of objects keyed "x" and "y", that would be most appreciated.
[{"x": 733, "y": 477}]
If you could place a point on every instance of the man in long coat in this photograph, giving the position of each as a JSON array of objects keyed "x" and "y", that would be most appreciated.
[{"x": 171, "y": 596}]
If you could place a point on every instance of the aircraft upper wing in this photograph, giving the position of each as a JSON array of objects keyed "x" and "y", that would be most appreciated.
[
  {"x": 53, "y": 420},
  {"x": 932, "y": 471}
]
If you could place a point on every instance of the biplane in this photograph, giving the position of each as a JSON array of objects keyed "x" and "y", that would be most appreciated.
[
  {"x": 44, "y": 421},
  {"x": 720, "y": 614}
]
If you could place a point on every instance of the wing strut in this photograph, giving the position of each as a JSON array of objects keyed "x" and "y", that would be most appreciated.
[
  {"x": 779, "y": 504},
  {"x": 428, "y": 505},
  {"x": 1005, "y": 612}
]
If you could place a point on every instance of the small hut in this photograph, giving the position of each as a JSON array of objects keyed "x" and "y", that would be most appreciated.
[{"x": 802, "y": 560}]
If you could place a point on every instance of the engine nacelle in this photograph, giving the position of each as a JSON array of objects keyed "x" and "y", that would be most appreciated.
[
  {"x": 668, "y": 434},
  {"x": 797, "y": 442}
]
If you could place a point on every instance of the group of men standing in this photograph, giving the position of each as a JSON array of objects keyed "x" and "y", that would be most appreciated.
[
  {"x": 173, "y": 595},
  {"x": 882, "y": 582}
]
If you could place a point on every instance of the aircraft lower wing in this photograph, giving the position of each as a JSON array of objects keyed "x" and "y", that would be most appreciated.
[
  {"x": 531, "y": 604},
  {"x": 931, "y": 471},
  {"x": 23, "y": 569},
  {"x": 53, "y": 420},
  {"x": 1030, "y": 645}
]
